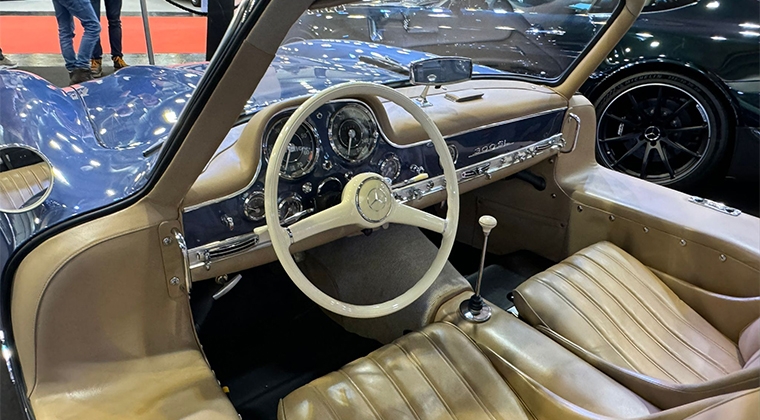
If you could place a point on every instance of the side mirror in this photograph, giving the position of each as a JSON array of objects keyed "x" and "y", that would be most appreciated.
[{"x": 440, "y": 71}]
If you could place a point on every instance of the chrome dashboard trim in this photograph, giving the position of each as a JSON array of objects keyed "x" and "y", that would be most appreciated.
[
  {"x": 487, "y": 168},
  {"x": 404, "y": 194},
  {"x": 382, "y": 133}
]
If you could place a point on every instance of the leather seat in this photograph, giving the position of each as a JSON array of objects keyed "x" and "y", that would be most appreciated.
[
  {"x": 611, "y": 310},
  {"x": 502, "y": 369}
]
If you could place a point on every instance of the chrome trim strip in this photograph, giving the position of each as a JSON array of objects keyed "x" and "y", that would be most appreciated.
[{"x": 577, "y": 120}]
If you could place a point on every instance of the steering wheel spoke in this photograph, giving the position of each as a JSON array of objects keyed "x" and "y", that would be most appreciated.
[
  {"x": 332, "y": 218},
  {"x": 408, "y": 215}
]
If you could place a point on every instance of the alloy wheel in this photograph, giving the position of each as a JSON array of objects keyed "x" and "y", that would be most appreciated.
[{"x": 656, "y": 131}]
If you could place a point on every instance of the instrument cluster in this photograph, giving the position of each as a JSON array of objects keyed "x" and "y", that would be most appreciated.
[{"x": 340, "y": 139}]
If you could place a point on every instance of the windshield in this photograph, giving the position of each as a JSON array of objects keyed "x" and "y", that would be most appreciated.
[{"x": 537, "y": 39}]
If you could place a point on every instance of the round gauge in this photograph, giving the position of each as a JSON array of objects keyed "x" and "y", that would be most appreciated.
[
  {"x": 353, "y": 133},
  {"x": 302, "y": 153},
  {"x": 454, "y": 152},
  {"x": 253, "y": 206},
  {"x": 390, "y": 166},
  {"x": 290, "y": 205}
]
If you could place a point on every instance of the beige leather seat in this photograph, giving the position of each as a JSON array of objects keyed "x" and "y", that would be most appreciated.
[
  {"x": 502, "y": 369},
  {"x": 17, "y": 186},
  {"x": 615, "y": 313}
]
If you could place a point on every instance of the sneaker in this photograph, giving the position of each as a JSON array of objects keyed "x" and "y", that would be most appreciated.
[
  {"x": 119, "y": 63},
  {"x": 6, "y": 63},
  {"x": 96, "y": 67},
  {"x": 80, "y": 75}
]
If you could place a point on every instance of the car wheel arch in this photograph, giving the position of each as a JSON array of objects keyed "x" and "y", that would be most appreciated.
[{"x": 614, "y": 75}]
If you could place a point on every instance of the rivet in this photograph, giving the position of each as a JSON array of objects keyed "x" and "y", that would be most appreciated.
[
  {"x": 489, "y": 176},
  {"x": 551, "y": 161},
  {"x": 167, "y": 241},
  {"x": 174, "y": 281},
  {"x": 682, "y": 242},
  {"x": 580, "y": 209},
  {"x": 554, "y": 195},
  {"x": 646, "y": 229},
  {"x": 723, "y": 258},
  {"x": 612, "y": 218}
]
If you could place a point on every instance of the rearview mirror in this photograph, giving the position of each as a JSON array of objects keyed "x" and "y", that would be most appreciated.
[{"x": 440, "y": 71}]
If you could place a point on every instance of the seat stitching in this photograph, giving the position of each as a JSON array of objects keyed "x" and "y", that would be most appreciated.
[
  {"x": 324, "y": 399},
  {"x": 364, "y": 397},
  {"x": 635, "y": 321},
  {"x": 696, "y": 351},
  {"x": 588, "y": 321},
  {"x": 395, "y": 385},
  {"x": 675, "y": 313},
  {"x": 419, "y": 369},
  {"x": 459, "y": 375}
]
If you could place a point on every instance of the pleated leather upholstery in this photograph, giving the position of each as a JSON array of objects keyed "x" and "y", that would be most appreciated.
[
  {"x": 437, "y": 373},
  {"x": 19, "y": 185},
  {"x": 612, "y": 310}
]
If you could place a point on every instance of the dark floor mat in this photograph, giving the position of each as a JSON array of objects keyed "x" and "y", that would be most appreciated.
[
  {"x": 505, "y": 273},
  {"x": 265, "y": 338}
]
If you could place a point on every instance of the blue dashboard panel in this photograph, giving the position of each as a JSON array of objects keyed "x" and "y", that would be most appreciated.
[{"x": 227, "y": 218}]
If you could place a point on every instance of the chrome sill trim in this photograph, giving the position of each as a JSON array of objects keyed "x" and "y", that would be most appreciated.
[{"x": 202, "y": 256}]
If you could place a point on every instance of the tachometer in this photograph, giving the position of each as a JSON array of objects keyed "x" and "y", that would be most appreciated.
[
  {"x": 353, "y": 133},
  {"x": 302, "y": 153}
]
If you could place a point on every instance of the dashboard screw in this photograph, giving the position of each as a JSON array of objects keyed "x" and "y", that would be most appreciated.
[
  {"x": 551, "y": 161},
  {"x": 554, "y": 195},
  {"x": 646, "y": 229},
  {"x": 174, "y": 281},
  {"x": 612, "y": 218},
  {"x": 167, "y": 241},
  {"x": 682, "y": 242},
  {"x": 723, "y": 258},
  {"x": 580, "y": 209},
  {"x": 306, "y": 188}
]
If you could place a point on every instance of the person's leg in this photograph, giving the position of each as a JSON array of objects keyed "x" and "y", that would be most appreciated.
[
  {"x": 82, "y": 10},
  {"x": 1, "y": 54},
  {"x": 97, "y": 53},
  {"x": 113, "y": 14},
  {"x": 65, "y": 34}
]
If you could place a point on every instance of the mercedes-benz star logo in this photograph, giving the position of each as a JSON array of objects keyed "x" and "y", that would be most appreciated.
[
  {"x": 376, "y": 199},
  {"x": 652, "y": 133}
]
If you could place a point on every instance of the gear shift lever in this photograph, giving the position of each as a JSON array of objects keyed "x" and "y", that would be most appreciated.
[{"x": 475, "y": 309}]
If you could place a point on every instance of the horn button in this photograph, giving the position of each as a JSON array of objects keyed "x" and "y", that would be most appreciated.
[{"x": 374, "y": 199}]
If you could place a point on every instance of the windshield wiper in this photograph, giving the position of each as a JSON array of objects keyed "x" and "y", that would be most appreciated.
[{"x": 386, "y": 63}]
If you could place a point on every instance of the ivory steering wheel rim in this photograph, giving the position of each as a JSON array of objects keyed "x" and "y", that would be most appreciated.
[{"x": 367, "y": 202}]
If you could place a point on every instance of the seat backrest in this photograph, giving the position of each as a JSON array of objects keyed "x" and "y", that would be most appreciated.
[{"x": 749, "y": 345}]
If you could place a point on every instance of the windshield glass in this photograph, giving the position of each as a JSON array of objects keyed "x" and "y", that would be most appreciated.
[{"x": 376, "y": 40}]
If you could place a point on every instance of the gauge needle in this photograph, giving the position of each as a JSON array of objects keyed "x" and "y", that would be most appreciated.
[
  {"x": 351, "y": 135},
  {"x": 287, "y": 160}
]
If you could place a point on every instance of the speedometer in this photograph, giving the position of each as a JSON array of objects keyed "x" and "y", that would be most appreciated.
[
  {"x": 302, "y": 153},
  {"x": 353, "y": 133}
]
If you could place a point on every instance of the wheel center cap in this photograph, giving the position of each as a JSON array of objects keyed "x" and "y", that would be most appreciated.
[
  {"x": 652, "y": 133},
  {"x": 373, "y": 199}
]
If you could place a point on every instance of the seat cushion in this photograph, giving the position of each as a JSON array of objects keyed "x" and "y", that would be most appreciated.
[
  {"x": 612, "y": 310},
  {"x": 432, "y": 374}
]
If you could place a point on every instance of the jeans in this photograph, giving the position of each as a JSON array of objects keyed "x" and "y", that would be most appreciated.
[
  {"x": 113, "y": 14},
  {"x": 65, "y": 12}
]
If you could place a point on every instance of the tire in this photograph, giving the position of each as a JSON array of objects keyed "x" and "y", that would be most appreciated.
[{"x": 673, "y": 121}]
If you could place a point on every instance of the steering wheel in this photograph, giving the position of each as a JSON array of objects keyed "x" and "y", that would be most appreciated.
[{"x": 367, "y": 202}]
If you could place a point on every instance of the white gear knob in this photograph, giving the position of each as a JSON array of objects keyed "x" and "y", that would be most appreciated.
[{"x": 487, "y": 223}]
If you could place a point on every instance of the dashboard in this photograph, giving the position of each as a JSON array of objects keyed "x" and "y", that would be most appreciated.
[{"x": 343, "y": 138}]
